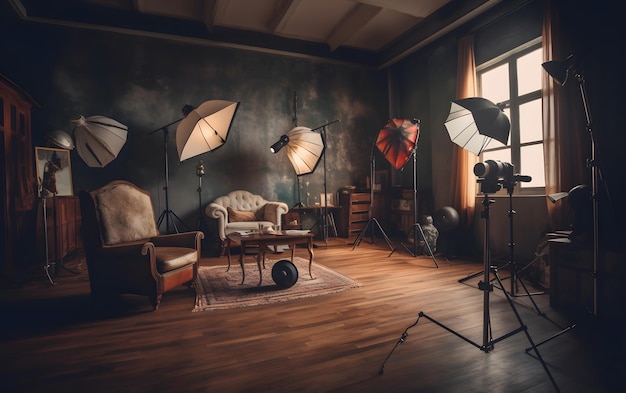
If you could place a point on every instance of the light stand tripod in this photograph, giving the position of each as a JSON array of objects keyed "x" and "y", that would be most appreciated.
[
  {"x": 322, "y": 129},
  {"x": 199, "y": 173},
  {"x": 47, "y": 266},
  {"x": 416, "y": 225},
  {"x": 488, "y": 342},
  {"x": 168, "y": 215},
  {"x": 373, "y": 220},
  {"x": 559, "y": 70},
  {"x": 509, "y": 184},
  {"x": 58, "y": 262},
  {"x": 514, "y": 277}
]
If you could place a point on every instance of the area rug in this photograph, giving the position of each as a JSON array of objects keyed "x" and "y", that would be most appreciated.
[{"x": 218, "y": 289}]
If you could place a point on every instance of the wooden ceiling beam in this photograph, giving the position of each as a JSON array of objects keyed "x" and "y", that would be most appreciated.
[
  {"x": 283, "y": 12},
  {"x": 207, "y": 11},
  {"x": 359, "y": 17}
]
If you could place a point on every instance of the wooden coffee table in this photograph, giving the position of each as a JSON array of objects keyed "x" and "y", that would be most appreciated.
[{"x": 263, "y": 240}]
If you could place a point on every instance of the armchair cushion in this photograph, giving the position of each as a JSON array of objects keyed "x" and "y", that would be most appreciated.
[
  {"x": 241, "y": 216},
  {"x": 172, "y": 258}
]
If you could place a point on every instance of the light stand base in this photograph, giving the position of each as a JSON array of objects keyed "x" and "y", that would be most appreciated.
[
  {"x": 47, "y": 266},
  {"x": 486, "y": 287},
  {"x": 414, "y": 252},
  {"x": 487, "y": 345},
  {"x": 46, "y": 270},
  {"x": 370, "y": 223},
  {"x": 170, "y": 217}
]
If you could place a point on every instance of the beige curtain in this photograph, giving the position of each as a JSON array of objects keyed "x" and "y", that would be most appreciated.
[
  {"x": 563, "y": 124},
  {"x": 463, "y": 184}
]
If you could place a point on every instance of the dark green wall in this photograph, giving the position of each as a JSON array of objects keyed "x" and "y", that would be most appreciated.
[{"x": 144, "y": 82}]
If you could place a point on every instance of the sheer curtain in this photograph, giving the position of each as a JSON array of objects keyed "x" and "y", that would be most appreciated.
[
  {"x": 563, "y": 123},
  {"x": 464, "y": 185}
]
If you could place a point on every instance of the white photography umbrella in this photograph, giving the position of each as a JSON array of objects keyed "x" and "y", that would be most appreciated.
[
  {"x": 99, "y": 139},
  {"x": 204, "y": 128},
  {"x": 304, "y": 149}
]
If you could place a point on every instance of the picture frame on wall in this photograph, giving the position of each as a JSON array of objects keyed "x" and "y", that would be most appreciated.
[
  {"x": 329, "y": 196},
  {"x": 54, "y": 172}
]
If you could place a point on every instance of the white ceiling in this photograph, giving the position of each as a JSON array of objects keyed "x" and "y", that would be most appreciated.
[{"x": 362, "y": 31}]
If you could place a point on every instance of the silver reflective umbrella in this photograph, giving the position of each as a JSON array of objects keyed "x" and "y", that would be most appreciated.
[{"x": 99, "y": 139}]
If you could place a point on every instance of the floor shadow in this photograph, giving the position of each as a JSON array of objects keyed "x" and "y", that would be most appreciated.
[{"x": 41, "y": 315}]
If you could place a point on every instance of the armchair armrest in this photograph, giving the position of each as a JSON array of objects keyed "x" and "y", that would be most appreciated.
[
  {"x": 124, "y": 250},
  {"x": 185, "y": 239},
  {"x": 219, "y": 213},
  {"x": 132, "y": 256}
]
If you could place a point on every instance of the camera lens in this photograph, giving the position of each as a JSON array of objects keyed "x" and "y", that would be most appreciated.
[
  {"x": 483, "y": 169},
  {"x": 494, "y": 169}
]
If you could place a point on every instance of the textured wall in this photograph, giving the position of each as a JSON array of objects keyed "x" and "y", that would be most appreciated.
[{"x": 144, "y": 82}]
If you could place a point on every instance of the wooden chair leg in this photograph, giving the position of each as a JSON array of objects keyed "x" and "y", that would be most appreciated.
[{"x": 155, "y": 302}]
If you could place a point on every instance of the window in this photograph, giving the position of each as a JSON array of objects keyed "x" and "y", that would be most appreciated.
[{"x": 514, "y": 80}]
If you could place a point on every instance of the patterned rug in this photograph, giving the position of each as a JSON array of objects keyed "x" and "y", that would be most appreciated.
[{"x": 218, "y": 289}]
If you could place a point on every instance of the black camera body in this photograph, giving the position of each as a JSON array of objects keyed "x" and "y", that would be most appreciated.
[{"x": 493, "y": 174}]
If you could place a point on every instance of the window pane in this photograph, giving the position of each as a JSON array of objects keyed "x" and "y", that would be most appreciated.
[
  {"x": 495, "y": 84},
  {"x": 532, "y": 165},
  {"x": 529, "y": 72},
  {"x": 530, "y": 122},
  {"x": 503, "y": 155}
]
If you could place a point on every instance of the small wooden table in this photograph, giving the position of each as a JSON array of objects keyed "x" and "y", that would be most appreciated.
[{"x": 262, "y": 241}]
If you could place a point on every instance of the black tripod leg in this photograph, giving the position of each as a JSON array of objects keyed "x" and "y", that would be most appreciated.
[
  {"x": 358, "y": 239},
  {"x": 400, "y": 341},
  {"x": 524, "y": 328},
  {"x": 179, "y": 220},
  {"x": 169, "y": 216},
  {"x": 382, "y": 231},
  {"x": 473, "y": 275},
  {"x": 535, "y": 305},
  {"x": 414, "y": 252},
  {"x": 526, "y": 292},
  {"x": 430, "y": 250},
  {"x": 567, "y": 329}
]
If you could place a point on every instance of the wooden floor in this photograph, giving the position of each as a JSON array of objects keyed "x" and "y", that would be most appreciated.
[{"x": 53, "y": 340}]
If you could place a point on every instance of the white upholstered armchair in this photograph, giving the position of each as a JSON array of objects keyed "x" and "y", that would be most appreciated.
[{"x": 243, "y": 210}]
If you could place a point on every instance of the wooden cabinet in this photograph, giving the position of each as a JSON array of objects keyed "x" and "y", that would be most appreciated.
[
  {"x": 402, "y": 216},
  {"x": 355, "y": 213},
  {"x": 63, "y": 222},
  {"x": 18, "y": 184},
  {"x": 571, "y": 279}
]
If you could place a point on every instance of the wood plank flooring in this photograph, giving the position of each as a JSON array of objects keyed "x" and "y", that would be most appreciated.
[{"x": 54, "y": 340}]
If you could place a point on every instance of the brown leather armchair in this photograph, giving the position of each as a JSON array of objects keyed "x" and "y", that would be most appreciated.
[{"x": 125, "y": 253}]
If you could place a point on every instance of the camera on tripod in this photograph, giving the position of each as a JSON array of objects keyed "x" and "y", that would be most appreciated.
[{"x": 493, "y": 174}]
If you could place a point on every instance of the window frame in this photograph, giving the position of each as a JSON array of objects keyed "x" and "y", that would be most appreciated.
[{"x": 512, "y": 105}]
